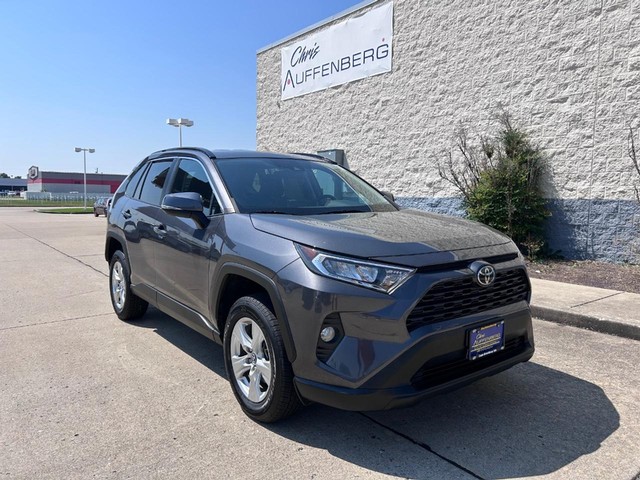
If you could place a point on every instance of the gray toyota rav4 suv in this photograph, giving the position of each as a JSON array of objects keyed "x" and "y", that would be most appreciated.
[{"x": 318, "y": 286}]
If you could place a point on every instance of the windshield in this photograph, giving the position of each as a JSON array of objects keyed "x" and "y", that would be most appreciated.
[{"x": 298, "y": 187}]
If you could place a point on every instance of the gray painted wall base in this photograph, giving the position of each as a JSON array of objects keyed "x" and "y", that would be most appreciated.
[{"x": 607, "y": 230}]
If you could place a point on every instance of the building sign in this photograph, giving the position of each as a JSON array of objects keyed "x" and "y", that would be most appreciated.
[
  {"x": 356, "y": 48},
  {"x": 34, "y": 172}
]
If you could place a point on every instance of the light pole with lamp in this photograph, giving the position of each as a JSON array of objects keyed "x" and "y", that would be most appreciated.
[
  {"x": 84, "y": 155},
  {"x": 180, "y": 122}
]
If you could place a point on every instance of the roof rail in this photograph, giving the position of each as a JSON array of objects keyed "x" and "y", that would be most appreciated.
[
  {"x": 207, "y": 152},
  {"x": 313, "y": 155}
]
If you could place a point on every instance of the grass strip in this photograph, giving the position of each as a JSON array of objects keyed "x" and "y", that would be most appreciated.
[{"x": 68, "y": 210}]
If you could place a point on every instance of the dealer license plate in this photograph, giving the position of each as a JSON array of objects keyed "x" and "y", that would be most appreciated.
[{"x": 486, "y": 340}]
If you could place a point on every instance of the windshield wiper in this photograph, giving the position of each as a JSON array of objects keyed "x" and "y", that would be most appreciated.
[
  {"x": 344, "y": 211},
  {"x": 272, "y": 211},
  {"x": 330, "y": 212}
]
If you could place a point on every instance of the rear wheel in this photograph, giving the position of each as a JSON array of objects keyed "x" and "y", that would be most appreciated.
[
  {"x": 126, "y": 304},
  {"x": 257, "y": 366}
]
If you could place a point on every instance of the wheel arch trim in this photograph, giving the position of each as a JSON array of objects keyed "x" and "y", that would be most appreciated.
[
  {"x": 237, "y": 269},
  {"x": 114, "y": 236}
]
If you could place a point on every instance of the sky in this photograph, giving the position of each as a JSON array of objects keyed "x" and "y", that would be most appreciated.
[{"x": 107, "y": 75}]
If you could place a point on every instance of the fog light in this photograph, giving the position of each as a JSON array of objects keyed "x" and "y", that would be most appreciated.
[{"x": 327, "y": 334}]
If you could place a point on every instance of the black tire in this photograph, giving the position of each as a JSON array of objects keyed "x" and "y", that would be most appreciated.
[
  {"x": 281, "y": 399},
  {"x": 132, "y": 306},
  {"x": 95, "y": 214}
]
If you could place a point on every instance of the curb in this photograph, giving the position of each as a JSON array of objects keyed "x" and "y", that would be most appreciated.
[{"x": 587, "y": 322}]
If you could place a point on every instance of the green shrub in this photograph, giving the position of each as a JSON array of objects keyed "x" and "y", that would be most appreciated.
[{"x": 500, "y": 183}]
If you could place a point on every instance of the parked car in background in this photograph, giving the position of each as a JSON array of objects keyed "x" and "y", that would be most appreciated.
[
  {"x": 101, "y": 206},
  {"x": 318, "y": 286}
]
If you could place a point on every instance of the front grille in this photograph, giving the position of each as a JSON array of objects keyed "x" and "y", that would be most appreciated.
[
  {"x": 435, "y": 373},
  {"x": 458, "y": 298}
]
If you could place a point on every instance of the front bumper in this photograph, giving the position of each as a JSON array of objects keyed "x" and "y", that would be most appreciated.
[
  {"x": 367, "y": 399},
  {"x": 379, "y": 363}
]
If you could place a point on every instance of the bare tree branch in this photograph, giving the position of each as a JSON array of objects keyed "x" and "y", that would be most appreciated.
[
  {"x": 631, "y": 150},
  {"x": 465, "y": 174}
]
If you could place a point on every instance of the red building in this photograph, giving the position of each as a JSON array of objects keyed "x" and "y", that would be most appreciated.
[{"x": 71, "y": 182}]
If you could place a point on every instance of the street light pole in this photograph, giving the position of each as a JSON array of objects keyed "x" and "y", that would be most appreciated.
[
  {"x": 180, "y": 122},
  {"x": 84, "y": 157}
]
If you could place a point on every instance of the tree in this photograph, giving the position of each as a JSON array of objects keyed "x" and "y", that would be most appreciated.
[{"x": 4, "y": 175}]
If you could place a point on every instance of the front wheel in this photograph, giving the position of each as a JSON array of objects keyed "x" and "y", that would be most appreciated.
[
  {"x": 256, "y": 362},
  {"x": 126, "y": 304}
]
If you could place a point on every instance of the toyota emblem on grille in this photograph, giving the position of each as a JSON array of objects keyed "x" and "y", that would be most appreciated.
[{"x": 484, "y": 273}]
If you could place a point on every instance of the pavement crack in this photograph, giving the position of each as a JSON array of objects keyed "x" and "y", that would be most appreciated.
[
  {"x": 423, "y": 446},
  {"x": 55, "y": 321},
  {"x": 596, "y": 300},
  {"x": 59, "y": 251}
]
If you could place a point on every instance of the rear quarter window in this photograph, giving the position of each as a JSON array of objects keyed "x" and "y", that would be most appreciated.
[{"x": 134, "y": 179}]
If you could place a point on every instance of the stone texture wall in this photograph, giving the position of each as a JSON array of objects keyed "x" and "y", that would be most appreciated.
[{"x": 568, "y": 71}]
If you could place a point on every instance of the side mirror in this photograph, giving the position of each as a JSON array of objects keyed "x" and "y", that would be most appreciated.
[
  {"x": 185, "y": 205},
  {"x": 389, "y": 196}
]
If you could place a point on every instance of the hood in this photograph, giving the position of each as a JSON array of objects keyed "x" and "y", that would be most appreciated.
[{"x": 381, "y": 234}]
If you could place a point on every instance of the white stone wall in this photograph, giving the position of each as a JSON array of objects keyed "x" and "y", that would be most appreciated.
[{"x": 568, "y": 71}]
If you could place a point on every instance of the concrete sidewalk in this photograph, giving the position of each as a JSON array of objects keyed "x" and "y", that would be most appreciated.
[{"x": 598, "y": 309}]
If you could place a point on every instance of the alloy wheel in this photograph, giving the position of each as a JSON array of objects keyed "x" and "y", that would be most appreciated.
[
  {"x": 118, "y": 286},
  {"x": 251, "y": 360}
]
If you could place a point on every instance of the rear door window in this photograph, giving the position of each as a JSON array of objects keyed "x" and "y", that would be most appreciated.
[{"x": 154, "y": 181}]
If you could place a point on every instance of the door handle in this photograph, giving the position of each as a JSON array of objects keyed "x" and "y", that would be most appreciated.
[
  {"x": 160, "y": 229},
  {"x": 126, "y": 214}
]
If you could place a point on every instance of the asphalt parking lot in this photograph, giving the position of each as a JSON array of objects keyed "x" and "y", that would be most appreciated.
[{"x": 85, "y": 395}]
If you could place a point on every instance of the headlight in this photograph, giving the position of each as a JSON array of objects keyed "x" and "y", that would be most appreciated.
[{"x": 378, "y": 276}]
